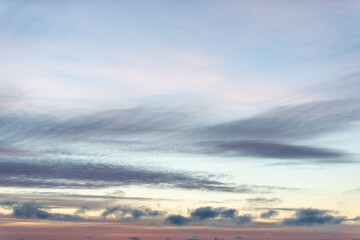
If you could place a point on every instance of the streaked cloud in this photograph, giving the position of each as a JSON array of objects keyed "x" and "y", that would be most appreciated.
[
  {"x": 56, "y": 174},
  {"x": 263, "y": 200}
]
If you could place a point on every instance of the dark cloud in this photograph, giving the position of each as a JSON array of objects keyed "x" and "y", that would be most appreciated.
[
  {"x": 8, "y": 203},
  {"x": 89, "y": 237},
  {"x": 134, "y": 238},
  {"x": 356, "y": 219},
  {"x": 291, "y": 122},
  {"x": 244, "y": 219},
  {"x": 312, "y": 217},
  {"x": 269, "y": 214},
  {"x": 135, "y": 213},
  {"x": 32, "y": 210},
  {"x": 177, "y": 220},
  {"x": 204, "y": 213},
  {"x": 276, "y": 150},
  {"x": 230, "y": 213},
  {"x": 216, "y": 238},
  {"x": 70, "y": 174},
  {"x": 262, "y": 200}
]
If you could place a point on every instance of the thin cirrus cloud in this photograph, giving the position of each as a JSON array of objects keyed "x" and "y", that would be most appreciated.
[
  {"x": 293, "y": 122},
  {"x": 236, "y": 138}
]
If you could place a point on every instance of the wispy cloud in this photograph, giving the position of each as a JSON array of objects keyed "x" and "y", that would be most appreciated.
[
  {"x": 263, "y": 200},
  {"x": 292, "y": 122},
  {"x": 70, "y": 174}
]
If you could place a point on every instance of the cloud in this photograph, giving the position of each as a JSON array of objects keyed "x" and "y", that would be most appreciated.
[
  {"x": 83, "y": 209},
  {"x": 244, "y": 219},
  {"x": 262, "y": 149},
  {"x": 344, "y": 86},
  {"x": 134, "y": 238},
  {"x": 32, "y": 210},
  {"x": 132, "y": 212},
  {"x": 112, "y": 123},
  {"x": 6, "y": 150},
  {"x": 177, "y": 220},
  {"x": 291, "y": 122},
  {"x": 269, "y": 214},
  {"x": 262, "y": 200},
  {"x": 71, "y": 174},
  {"x": 235, "y": 138},
  {"x": 204, "y": 213},
  {"x": 230, "y": 213},
  {"x": 312, "y": 217},
  {"x": 7, "y": 203}
]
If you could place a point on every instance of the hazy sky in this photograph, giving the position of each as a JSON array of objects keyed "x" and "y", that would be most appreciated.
[{"x": 188, "y": 120}]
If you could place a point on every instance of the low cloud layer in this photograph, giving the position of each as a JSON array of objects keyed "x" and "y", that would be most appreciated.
[
  {"x": 32, "y": 210},
  {"x": 122, "y": 211},
  {"x": 206, "y": 213},
  {"x": 312, "y": 217}
]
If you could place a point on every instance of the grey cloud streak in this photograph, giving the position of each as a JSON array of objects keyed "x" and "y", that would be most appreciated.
[
  {"x": 70, "y": 174},
  {"x": 175, "y": 131},
  {"x": 292, "y": 122},
  {"x": 263, "y": 149}
]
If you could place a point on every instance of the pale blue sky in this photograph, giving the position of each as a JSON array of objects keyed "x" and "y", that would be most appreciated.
[{"x": 259, "y": 98}]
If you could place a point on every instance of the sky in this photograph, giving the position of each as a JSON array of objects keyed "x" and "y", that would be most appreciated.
[{"x": 179, "y": 120}]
